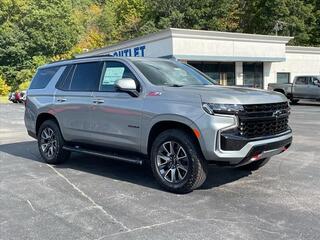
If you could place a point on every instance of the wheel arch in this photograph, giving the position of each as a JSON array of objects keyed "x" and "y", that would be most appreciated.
[
  {"x": 164, "y": 125},
  {"x": 280, "y": 91},
  {"x": 42, "y": 117}
]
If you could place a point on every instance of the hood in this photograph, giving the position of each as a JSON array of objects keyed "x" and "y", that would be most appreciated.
[{"x": 229, "y": 95}]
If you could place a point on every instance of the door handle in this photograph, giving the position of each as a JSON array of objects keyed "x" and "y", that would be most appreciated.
[
  {"x": 98, "y": 101},
  {"x": 61, "y": 99}
]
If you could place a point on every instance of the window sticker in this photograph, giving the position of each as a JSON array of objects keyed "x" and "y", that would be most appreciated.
[{"x": 112, "y": 74}]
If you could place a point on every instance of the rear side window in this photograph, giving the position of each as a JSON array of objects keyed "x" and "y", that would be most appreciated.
[
  {"x": 65, "y": 79},
  {"x": 86, "y": 76},
  {"x": 43, "y": 77}
]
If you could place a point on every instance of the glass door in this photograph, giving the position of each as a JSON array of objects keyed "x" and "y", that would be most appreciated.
[
  {"x": 221, "y": 72},
  {"x": 253, "y": 74}
]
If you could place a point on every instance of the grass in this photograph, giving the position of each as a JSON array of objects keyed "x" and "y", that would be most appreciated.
[{"x": 4, "y": 99}]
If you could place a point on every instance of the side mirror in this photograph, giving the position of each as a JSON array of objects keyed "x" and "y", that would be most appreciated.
[{"x": 127, "y": 85}]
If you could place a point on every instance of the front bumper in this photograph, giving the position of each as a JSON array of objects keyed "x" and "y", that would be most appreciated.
[{"x": 211, "y": 128}]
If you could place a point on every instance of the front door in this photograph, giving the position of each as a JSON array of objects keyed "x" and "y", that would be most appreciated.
[
  {"x": 301, "y": 87},
  {"x": 116, "y": 116},
  {"x": 314, "y": 88}
]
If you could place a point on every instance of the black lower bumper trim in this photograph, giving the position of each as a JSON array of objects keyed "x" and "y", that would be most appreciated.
[
  {"x": 266, "y": 147},
  {"x": 231, "y": 141}
]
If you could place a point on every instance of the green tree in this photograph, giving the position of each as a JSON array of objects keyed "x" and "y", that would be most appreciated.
[
  {"x": 206, "y": 14},
  {"x": 284, "y": 17},
  {"x": 33, "y": 28}
]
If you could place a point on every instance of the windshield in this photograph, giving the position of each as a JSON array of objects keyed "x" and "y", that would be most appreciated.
[{"x": 170, "y": 73}]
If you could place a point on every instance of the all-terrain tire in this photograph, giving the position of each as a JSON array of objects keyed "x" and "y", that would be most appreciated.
[
  {"x": 197, "y": 166},
  {"x": 49, "y": 133}
]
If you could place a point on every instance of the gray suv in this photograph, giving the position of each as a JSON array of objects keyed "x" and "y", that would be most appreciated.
[{"x": 163, "y": 113}]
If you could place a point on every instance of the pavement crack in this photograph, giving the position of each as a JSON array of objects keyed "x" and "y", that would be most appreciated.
[
  {"x": 89, "y": 199},
  {"x": 143, "y": 228},
  {"x": 31, "y": 205}
]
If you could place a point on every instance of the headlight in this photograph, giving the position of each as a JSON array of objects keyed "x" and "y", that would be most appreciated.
[{"x": 216, "y": 108}]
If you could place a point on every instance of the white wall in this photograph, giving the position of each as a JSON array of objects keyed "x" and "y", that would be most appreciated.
[
  {"x": 227, "y": 48},
  {"x": 296, "y": 64}
]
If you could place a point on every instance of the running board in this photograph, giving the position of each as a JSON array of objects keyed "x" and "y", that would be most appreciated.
[{"x": 104, "y": 154}]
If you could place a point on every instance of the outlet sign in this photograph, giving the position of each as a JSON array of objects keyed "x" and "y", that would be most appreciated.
[{"x": 131, "y": 52}]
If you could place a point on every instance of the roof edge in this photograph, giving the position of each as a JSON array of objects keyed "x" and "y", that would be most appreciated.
[
  {"x": 301, "y": 49},
  {"x": 187, "y": 33}
]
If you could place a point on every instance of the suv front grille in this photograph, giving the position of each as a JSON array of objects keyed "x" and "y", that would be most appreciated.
[{"x": 259, "y": 120}]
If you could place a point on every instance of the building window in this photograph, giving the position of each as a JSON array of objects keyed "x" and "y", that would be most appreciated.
[
  {"x": 223, "y": 73},
  {"x": 253, "y": 74},
  {"x": 283, "y": 77}
]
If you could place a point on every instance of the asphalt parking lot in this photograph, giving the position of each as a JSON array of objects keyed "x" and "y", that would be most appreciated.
[{"x": 93, "y": 198}]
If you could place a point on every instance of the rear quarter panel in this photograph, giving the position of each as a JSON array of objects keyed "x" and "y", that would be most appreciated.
[{"x": 40, "y": 101}]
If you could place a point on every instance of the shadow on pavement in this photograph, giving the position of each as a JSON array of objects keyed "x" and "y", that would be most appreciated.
[{"x": 117, "y": 170}]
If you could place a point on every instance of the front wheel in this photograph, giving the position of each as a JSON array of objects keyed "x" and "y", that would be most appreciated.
[
  {"x": 50, "y": 143},
  {"x": 255, "y": 165},
  {"x": 177, "y": 162}
]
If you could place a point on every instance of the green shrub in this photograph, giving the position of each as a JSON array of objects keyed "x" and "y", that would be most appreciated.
[
  {"x": 24, "y": 86},
  {"x": 4, "y": 88}
]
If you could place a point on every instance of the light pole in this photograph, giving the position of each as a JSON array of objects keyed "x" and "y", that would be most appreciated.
[{"x": 279, "y": 26}]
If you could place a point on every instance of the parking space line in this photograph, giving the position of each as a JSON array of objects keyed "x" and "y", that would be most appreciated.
[{"x": 89, "y": 198}]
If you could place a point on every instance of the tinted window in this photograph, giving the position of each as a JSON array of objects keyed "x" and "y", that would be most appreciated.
[
  {"x": 114, "y": 71},
  {"x": 171, "y": 73},
  {"x": 86, "y": 77},
  {"x": 65, "y": 78},
  {"x": 43, "y": 77},
  {"x": 302, "y": 81},
  {"x": 283, "y": 77}
]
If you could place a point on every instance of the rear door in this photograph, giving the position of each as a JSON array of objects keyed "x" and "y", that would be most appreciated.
[
  {"x": 73, "y": 99},
  {"x": 116, "y": 115},
  {"x": 301, "y": 87}
]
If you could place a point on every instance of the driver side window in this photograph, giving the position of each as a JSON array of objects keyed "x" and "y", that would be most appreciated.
[{"x": 112, "y": 72}]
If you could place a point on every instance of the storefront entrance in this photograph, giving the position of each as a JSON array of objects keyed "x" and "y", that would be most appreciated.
[{"x": 223, "y": 73}]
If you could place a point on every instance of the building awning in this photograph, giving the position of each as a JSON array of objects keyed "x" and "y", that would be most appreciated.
[{"x": 227, "y": 58}]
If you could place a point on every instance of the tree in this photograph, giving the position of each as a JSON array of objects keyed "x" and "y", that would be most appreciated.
[
  {"x": 33, "y": 28},
  {"x": 206, "y": 14},
  {"x": 295, "y": 17}
]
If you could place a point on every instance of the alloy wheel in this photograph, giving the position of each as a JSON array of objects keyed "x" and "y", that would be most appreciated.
[
  {"x": 48, "y": 142},
  {"x": 172, "y": 162}
]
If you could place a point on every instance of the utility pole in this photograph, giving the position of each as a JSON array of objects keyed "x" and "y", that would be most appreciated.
[{"x": 279, "y": 26}]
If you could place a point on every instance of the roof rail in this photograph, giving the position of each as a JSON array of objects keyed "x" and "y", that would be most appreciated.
[{"x": 94, "y": 56}]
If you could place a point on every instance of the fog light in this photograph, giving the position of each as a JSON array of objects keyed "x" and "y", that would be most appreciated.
[{"x": 256, "y": 157}]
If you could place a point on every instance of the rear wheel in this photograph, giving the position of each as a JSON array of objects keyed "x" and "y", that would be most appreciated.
[
  {"x": 177, "y": 162},
  {"x": 255, "y": 165},
  {"x": 50, "y": 143}
]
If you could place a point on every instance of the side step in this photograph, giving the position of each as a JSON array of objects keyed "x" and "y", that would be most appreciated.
[{"x": 110, "y": 155}]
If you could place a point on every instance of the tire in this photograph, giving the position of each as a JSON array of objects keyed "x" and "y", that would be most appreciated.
[
  {"x": 50, "y": 143},
  {"x": 255, "y": 165},
  {"x": 177, "y": 162}
]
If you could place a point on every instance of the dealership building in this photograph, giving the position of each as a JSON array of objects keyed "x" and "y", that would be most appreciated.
[{"x": 229, "y": 58}]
